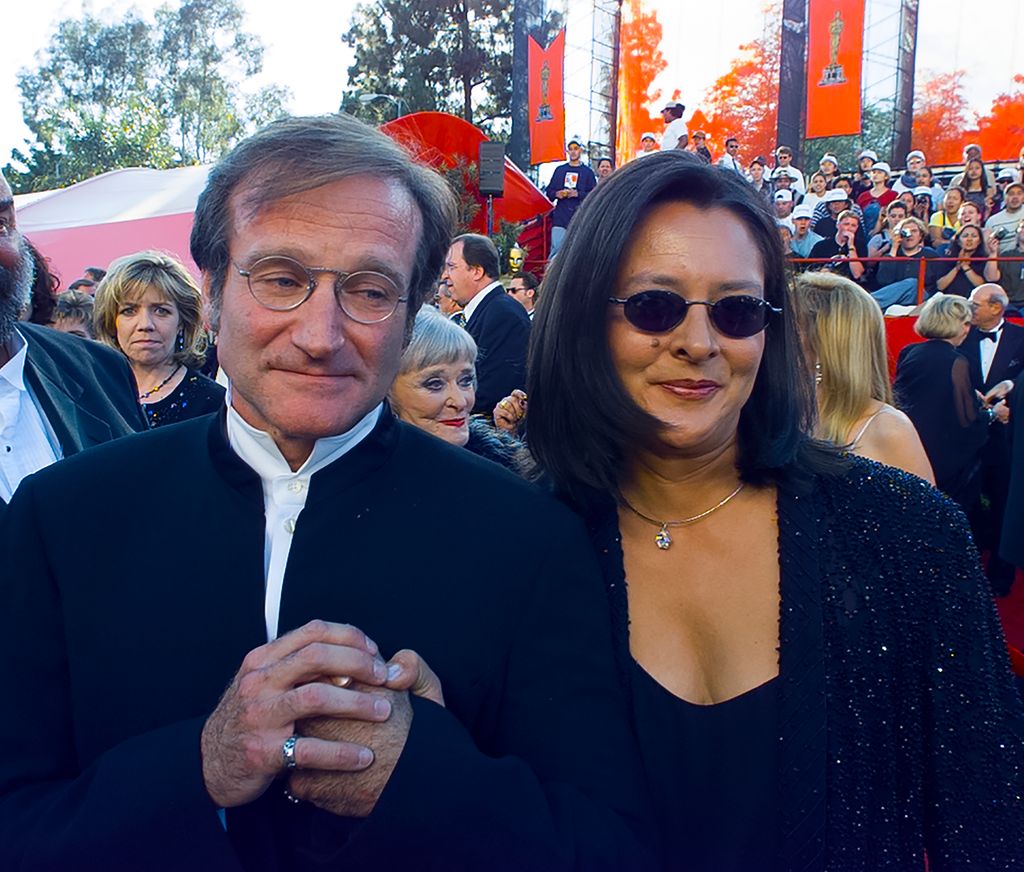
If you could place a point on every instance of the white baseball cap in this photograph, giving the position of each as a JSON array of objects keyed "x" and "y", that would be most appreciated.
[
  {"x": 803, "y": 211},
  {"x": 783, "y": 195},
  {"x": 883, "y": 166},
  {"x": 836, "y": 195}
]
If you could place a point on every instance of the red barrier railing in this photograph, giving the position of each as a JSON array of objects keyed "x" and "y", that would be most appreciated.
[{"x": 922, "y": 262}]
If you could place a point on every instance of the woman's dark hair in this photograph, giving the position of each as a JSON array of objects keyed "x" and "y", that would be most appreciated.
[
  {"x": 954, "y": 243},
  {"x": 981, "y": 180},
  {"x": 583, "y": 423},
  {"x": 44, "y": 287}
]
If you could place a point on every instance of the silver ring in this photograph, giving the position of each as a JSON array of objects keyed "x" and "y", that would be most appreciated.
[{"x": 288, "y": 752}]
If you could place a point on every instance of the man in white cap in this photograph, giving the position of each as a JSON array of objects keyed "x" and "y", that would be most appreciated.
[
  {"x": 828, "y": 166},
  {"x": 861, "y": 178},
  {"x": 648, "y": 144},
  {"x": 1004, "y": 223},
  {"x": 569, "y": 185},
  {"x": 676, "y": 134},
  {"x": 804, "y": 239},
  {"x": 916, "y": 160},
  {"x": 783, "y": 204}
]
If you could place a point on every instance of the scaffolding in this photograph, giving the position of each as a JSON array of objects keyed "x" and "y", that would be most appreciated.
[{"x": 591, "y": 73}]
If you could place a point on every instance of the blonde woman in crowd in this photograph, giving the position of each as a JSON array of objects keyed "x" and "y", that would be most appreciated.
[
  {"x": 150, "y": 309},
  {"x": 843, "y": 333}
]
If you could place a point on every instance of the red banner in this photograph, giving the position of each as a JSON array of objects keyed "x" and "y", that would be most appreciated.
[
  {"x": 547, "y": 105},
  {"x": 835, "y": 50}
]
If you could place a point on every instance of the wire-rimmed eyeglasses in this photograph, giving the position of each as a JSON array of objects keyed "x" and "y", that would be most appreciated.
[{"x": 281, "y": 284}]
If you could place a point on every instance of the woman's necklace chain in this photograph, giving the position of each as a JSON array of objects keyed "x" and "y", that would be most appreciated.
[
  {"x": 663, "y": 540},
  {"x": 155, "y": 390}
]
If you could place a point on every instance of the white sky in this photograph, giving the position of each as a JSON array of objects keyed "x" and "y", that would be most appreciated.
[{"x": 305, "y": 52}]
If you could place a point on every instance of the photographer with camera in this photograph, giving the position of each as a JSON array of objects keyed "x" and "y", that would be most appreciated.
[
  {"x": 1005, "y": 222},
  {"x": 897, "y": 279}
]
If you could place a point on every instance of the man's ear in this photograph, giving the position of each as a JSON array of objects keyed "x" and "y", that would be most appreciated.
[{"x": 211, "y": 310}]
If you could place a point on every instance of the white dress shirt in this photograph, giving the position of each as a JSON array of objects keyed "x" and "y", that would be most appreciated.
[
  {"x": 27, "y": 442},
  {"x": 472, "y": 305},
  {"x": 285, "y": 492},
  {"x": 987, "y": 348}
]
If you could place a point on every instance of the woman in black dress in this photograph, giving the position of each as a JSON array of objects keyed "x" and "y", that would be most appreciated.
[
  {"x": 149, "y": 308},
  {"x": 817, "y": 676},
  {"x": 933, "y": 386}
]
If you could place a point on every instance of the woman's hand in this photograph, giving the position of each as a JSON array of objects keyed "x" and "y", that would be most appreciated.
[{"x": 511, "y": 411}]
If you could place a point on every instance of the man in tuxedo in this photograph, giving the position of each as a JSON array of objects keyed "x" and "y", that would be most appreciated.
[
  {"x": 497, "y": 322},
  {"x": 58, "y": 395},
  {"x": 243, "y": 549},
  {"x": 994, "y": 348}
]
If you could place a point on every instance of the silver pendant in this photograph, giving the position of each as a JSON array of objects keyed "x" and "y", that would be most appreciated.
[{"x": 663, "y": 540}]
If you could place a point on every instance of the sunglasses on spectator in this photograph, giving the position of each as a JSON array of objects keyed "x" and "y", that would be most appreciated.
[{"x": 739, "y": 317}]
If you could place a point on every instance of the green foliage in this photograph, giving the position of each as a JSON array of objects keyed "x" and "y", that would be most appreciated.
[
  {"x": 131, "y": 94},
  {"x": 449, "y": 56},
  {"x": 876, "y": 134}
]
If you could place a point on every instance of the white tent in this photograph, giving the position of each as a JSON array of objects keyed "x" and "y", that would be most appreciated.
[{"x": 117, "y": 213}]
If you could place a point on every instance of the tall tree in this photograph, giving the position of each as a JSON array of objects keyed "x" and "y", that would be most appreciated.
[
  {"x": 640, "y": 61},
  {"x": 128, "y": 94},
  {"x": 449, "y": 56},
  {"x": 1001, "y": 129},
  {"x": 202, "y": 54},
  {"x": 942, "y": 117},
  {"x": 744, "y": 101}
]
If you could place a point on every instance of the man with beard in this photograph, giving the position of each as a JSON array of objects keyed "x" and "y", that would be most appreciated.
[{"x": 58, "y": 395}]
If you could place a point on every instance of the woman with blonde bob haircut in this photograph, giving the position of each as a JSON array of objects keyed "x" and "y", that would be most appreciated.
[
  {"x": 843, "y": 333},
  {"x": 150, "y": 309},
  {"x": 933, "y": 386}
]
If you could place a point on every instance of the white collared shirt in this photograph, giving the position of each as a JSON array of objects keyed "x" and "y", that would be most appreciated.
[
  {"x": 285, "y": 492},
  {"x": 472, "y": 305},
  {"x": 987, "y": 349},
  {"x": 27, "y": 443}
]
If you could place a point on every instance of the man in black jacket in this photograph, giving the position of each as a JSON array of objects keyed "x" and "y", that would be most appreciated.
[
  {"x": 242, "y": 549},
  {"x": 58, "y": 394},
  {"x": 994, "y": 349},
  {"x": 498, "y": 323}
]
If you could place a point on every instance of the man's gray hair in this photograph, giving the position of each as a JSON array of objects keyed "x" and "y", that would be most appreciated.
[
  {"x": 299, "y": 154},
  {"x": 436, "y": 341}
]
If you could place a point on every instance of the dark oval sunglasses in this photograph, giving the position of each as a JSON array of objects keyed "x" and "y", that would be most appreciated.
[{"x": 660, "y": 311}]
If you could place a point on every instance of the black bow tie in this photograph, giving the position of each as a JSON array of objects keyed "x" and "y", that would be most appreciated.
[{"x": 994, "y": 335}]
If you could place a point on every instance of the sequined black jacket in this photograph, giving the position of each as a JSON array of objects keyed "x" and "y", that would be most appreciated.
[{"x": 900, "y": 729}]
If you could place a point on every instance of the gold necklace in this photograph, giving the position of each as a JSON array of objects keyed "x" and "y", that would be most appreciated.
[
  {"x": 663, "y": 540},
  {"x": 152, "y": 391}
]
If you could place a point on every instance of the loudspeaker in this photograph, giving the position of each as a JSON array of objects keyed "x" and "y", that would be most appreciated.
[{"x": 492, "y": 168}]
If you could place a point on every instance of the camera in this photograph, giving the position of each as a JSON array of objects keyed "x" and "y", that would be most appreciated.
[
  {"x": 904, "y": 233},
  {"x": 1000, "y": 233}
]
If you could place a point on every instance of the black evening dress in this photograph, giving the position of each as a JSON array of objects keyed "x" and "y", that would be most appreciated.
[
  {"x": 933, "y": 386},
  {"x": 196, "y": 395},
  {"x": 718, "y": 806},
  {"x": 898, "y": 728}
]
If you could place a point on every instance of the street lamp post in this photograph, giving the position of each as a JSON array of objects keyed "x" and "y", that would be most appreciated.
[{"x": 366, "y": 99}]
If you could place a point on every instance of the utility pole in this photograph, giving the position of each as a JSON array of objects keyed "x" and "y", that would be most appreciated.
[
  {"x": 793, "y": 78},
  {"x": 903, "y": 105},
  {"x": 527, "y": 16}
]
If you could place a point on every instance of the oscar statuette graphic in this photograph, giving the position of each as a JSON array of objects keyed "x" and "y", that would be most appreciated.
[
  {"x": 833, "y": 73},
  {"x": 544, "y": 110}
]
